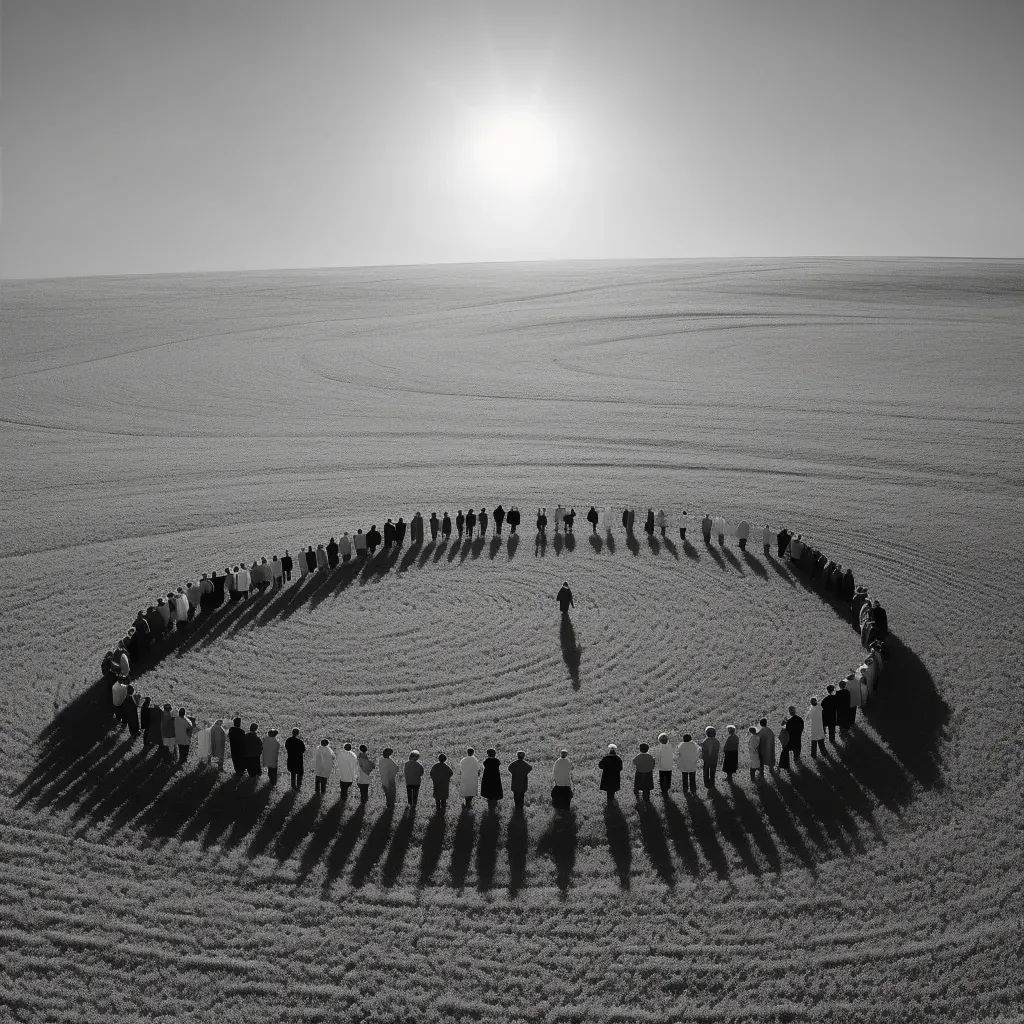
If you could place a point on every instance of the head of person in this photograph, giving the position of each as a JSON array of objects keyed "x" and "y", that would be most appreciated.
[
  {"x": 752, "y": 730},
  {"x": 414, "y": 755},
  {"x": 295, "y": 732},
  {"x": 491, "y": 752},
  {"x": 145, "y": 702},
  {"x": 731, "y": 730},
  {"x": 644, "y": 747},
  {"x": 442, "y": 757},
  {"x": 783, "y": 723},
  {"x": 219, "y": 722},
  {"x": 387, "y": 752},
  {"x": 663, "y": 738},
  {"x": 254, "y": 727},
  {"x": 764, "y": 723},
  {"x": 710, "y": 732},
  {"x": 563, "y": 753},
  {"x": 814, "y": 702},
  {"x": 520, "y": 755},
  {"x": 323, "y": 743},
  {"x": 612, "y": 748},
  {"x": 348, "y": 746},
  {"x": 167, "y": 708},
  {"x": 362, "y": 748},
  {"x": 842, "y": 684},
  {"x": 181, "y": 712},
  {"x": 792, "y": 710},
  {"x": 272, "y": 733},
  {"x": 687, "y": 737},
  {"x": 830, "y": 688}
]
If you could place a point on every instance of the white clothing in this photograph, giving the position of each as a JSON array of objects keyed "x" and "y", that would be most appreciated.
[
  {"x": 688, "y": 756},
  {"x": 754, "y": 750},
  {"x": 470, "y": 767},
  {"x": 817, "y": 729},
  {"x": 119, "y": 691},
  {"x": 559, "y": 512},
  {"x": 347, "y": 766},
  {"x": 660, "y": 520},
  {"x": 122, "y": 665},
  {"x": 181, "y": 607},
  {"x": 360, "y": 542},
  {"x": 183, "y": 729},
  {"x": 562, "y": 772},
  {"x": 244, "y": 581},
  {"x": 665, "y": 756},
  {"x": 276, "y": 569},
  {"x": 720, "y": 526},
  {"x": 303, "y": 567},
  {"x": 203, "y": 742},
  {"x": 323, "y": 762},
  {"x": 344, "y": 550},
  {"x": 743, "y": 530},
  {"x": 857, "y": 687},
  {"x": 321, "y": 557},
  {"x": 684, "y": 521},
  {"x": 766, "y": 537}
]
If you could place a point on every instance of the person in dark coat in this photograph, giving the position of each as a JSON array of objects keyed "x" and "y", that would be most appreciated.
[
  {"x": 782, "y": 541},
  {"x": 643, "y": 778},
  {"x": 253, "y": 750},
  {"x": 441, "y": 776},
  {"x": 569, "y": 519},
  {"x": 310, "y": 557},
  {"x": 649, "y": 523},
  {"x": 846, "y": 712},
  {"x": 373, "y": 539},
  {"x": 784, "y": 743},
  {"x": 482, "y": 521},
  {"x": 389, "y": 534},
  {"x": 564, "y": 599},
  {"x": 795, "y": 728},
  {"x": 294, "y": 750},
  {"x": 470, "y": 523},
  {"x": 829, "y": 712},
  {"x": 490, "y": 780},
  {"x": 416, "y": 530},
  {"x": 519, "y": 769},
  {"x": 435, "y": 526},
  {"x": 130, "y": 711},
  {"x": 236, "y": 744},
  {"x": 593, "y": 518},
  {"x": 400, "y": 528},
  {"x": 332, "y": 553},
  {"x": 287, "y": 566},
  {"x": 514, "y": 519},
  {"x": 705, "y": 528},
  {"x": 145, "y": 718},
  {"x": 446, "y": 526},
  {"x": 625, "y": 518},
  {"x": 611, "y": 772},
  {"x": 542, "y": 522},
  {"x": 766, "y": 745},
  {"x": 460, "y": 523},
  {"x": 142, "y": 631},
  {"x": 880, "y": 619},
  {"x": 499, "y": 519}
]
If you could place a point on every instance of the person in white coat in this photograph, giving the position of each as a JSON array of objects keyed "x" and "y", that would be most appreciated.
[
  {"x": 743, "y": 533},
  {"x": 303, "y": 565},
  {"x": 688, "y": 759},
  {"x": 720, "y": 529},
  {"x": 470, "y": 768},
  {"x": 345, "y": 548},
  {"x": 664, "y": 755},
  {"x": 561, "y": 778},
  {"x": 181, "y": 608},
  {"x": 203, "y": 743},
  {"x": 766, "y": 539},
  {"x": 754, "y": 752},
  {"x": 816, "y": 727},
  {"x": 348, "y": 766},
  {"x": 321, "y": 557},
  {"x": 661, "y": 521},
  {"x": 323, "y": 765}
]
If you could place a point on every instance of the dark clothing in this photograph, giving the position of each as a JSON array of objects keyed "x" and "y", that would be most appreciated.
[
  {"x": 542, "y": 523},
  {"x": 564, "y": 599},
  {"x": 441, "y": 776},
  {"x": 519, "y": 770},
  {"x": 730, "y": 761},
  {"x": 294, "y": 750},
  {"x": 470, "y": 523},
  {"x": 460, "y": 522},
  {"x": 795, "y": 727},
  {"x": 389, "y": 534},
  {"x": 130, "y": 714},
  {"x": 412, "y": 794},
  {"x": 782, "y": 540},
  {"x": 400, "y": 532},
  {"x": 236, "y": 744},
  {"x": 592, "y": 518},
  {"x": 689, "y": 782},
  {"x": 372, "y": 539},
  {"x": 490, "y": 780},
  {"x": 482, "y": 520},
  {"x": 665, "y": 780},
  {"x": 649, "y": 523},
  {"x": 332, "y": 554},
  {"x": 514, "y": 519},
  {"x": 846, "y": 713},
  {"x": 829, "y": 710},
  {"x": 310, "y": 557},
  {"x": 446, "y": 527},
  {"x": 499, "y": 519},
  {"x": 286, "y": 566},
  {"x": 435, "y": 525},
  {"x": 611, "y": 772},
  {"x": 561, "y": 797}
]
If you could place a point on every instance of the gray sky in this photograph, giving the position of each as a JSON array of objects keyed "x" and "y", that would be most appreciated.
[{"x": 173, "y": 135}]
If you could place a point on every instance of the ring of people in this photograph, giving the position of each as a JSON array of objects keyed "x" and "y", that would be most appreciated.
[{"x": 774, "y": 744}]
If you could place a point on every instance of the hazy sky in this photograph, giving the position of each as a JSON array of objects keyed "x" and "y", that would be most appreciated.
[{"x": 170, "y": 135}]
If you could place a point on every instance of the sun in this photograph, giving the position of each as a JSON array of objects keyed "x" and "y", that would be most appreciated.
[{"x": 515, "y": 150}]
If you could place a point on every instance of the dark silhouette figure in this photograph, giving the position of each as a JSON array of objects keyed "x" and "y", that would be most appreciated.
[
  {"x": 446, "y": 527},
  {"x": 592, "y": 518},
  {"x": 332, "y": 554},
  {"x": 649, "y": 523},
  {"x": 470, "y": 523},
  {"x": 571, "y": 650},
  {"x": 611, "y": 772},
  {"x": 499, "y": 519},
  {"x": 435, "y": 525},
  {"x": 564, "y": 599}
]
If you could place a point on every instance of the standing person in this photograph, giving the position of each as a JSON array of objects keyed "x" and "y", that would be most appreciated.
[
  {"x": 470, "y": 524},
  {"x": 365, "y": 765},
  {"x": 592, "y": 518},
  {"x": 446, "y": 527},
  {"x": 649, "y": 523},
  {"x": 720, "y": 530},
  {"x": 277, "y": 572},
  {"x": 542, "y": 522},
  {"x": 332, "y": 554},
  {"x": 514, "y": 519},
  {"x": 218, "y": 743},
  {"x": 830, "y": 711},
  {"x": 389, "y": 534},
  {"x": 625, "y": 519},
  {"x": 684, "y": 521},
  {"x": 310, "y": 559},
  {"x": 730, "y": 752},
  {"x": 236, "y": 741},
  {"x": 203, "y": 744},
  {"x": 348, "y": 765},
  {"x": 482, "y": 520},
  {"x": 754, "y": 753},
  {"x": 709, "y": 749},
  {"x": 688, "y": 758},
  {"x": 564, "y": 599},
  {"x": 154, "y": 736},
  {"x": 570, "y": 520},
  {"x": 766, "y": 540},
  {"x": 253, "y": 751},
  {"x": 435, "y": 525},
  {"x": 167, "y": 734},
  {"x": 145, "y": 714},
  {"x": 470, "y": 769},
  {"x": 490, "y": 782},
  {"x": 705, "y": 528},
  {"x": 499, "y": 518},
  {"x": 286, "y": 566},
  {"x": 662, "y": 521},
  {"x": 460, "y": 523},
  {"x": 416, "y": 528},
  {"x": 359, "y": 543},
  {"x": 413, "y": 771},
  {"x": 271, "y": 755},
  {"x": 846, "y": 713},
  {"x": 561, "y": 777},
  {"x": 817, "y": 727},
  {"x": 559, "y": 517},
  {"x": 183, "y": 729},
  {"x": 321, "y": 557},
  {"x": 388, "y": 770},
  {"x": 295, "y": 750},
  {"x": 766, "y": 740},
  {"x": 400, "y": 527},
  {"x": 519, "y": 769},
  {"x": 630, "y": 520},
  {"x": 323, "y": 765},
  {"x": 345, "y": 547},
  {"x": 784, "y": 743},
  {"x": 795, "y": 726},
  {"x": 441, "y": 776},
  {"x": 611, "y": 772},
  {"x": 643, "y": 773},
  {"x": 664, "y": 755},
  {"x": 303, "y": 567},
  {"x": 743, "y": 533},
  {"x": 372, "y": 539}
]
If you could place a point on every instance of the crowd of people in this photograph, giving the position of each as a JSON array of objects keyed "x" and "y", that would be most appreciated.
[{"x": 175, "y": 734}]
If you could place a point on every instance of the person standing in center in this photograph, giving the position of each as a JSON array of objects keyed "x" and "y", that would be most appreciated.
[
  {"x": 347, "y": 767},
  {"x": 271, "y": 755},
  {"x": 388, "y": 776},
  {"x": 643, "y": 777},
  {"x": 561, "y": 777},
  {"x": 795, "y": 727},
  {"x": 441, "y": 776},
  {"x": 435, "y": 525},
  {"x": 323, "y": 765},
  {"x": 490, "y": 782},
  {"x": 784, "y": 743},
  {"x": 564, "y": 599},
  {"x": 829, "y": 711},
  {"x": 519, "y": 769},
  {"x": 730, "y": 752},
  {"x": 295, "y": 750},
  {"x": 611, "y": 772},
  {"x": 709, "y": 749},
  {"x": 663, "y": 754},
  {"x": 766, "y": 741},
  {"x": 253, "y": 751},
  {"x": 469, "y": 766},
  {"x": 754, "y": 753},
  {"x": 817, "y": 727},
  {"x": 365, "y": 765},
  {"x": 470, "y": 524},
  {"x": 413, "y": 772},
  {"x": 688, "y": 757},
  {"x": 592, "y": 518}
]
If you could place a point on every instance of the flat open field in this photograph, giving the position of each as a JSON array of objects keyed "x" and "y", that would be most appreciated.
[{"x": 154, "y": 428}]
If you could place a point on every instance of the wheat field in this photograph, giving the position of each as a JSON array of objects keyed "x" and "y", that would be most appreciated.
[{"x": 158, "y": 427}]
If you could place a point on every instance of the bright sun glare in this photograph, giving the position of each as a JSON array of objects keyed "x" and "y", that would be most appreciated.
[{"x": 515, "y": 150}]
